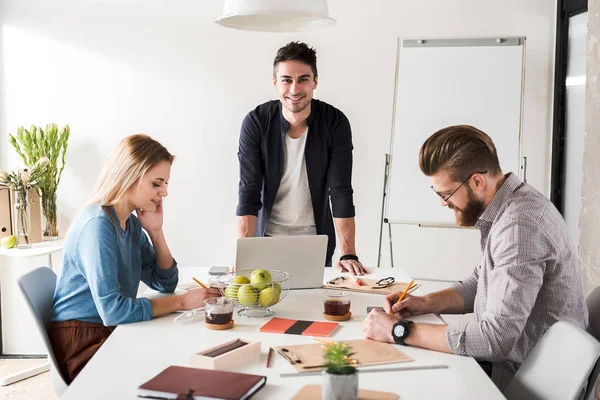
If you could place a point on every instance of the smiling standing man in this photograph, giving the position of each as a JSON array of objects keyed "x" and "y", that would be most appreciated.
[
  {"x": 295, "y": 154},
  {"x": 528, "y": 277}
]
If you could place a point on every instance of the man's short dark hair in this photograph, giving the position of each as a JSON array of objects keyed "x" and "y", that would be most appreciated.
[
  {"x": 297, "y": 51},
  {"x": 461, "y": 150}
]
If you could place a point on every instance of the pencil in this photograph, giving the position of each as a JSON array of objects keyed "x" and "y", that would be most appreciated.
[
  {"x": 199, "y": 283},
  {"x": 403, "y": 294},
  {"x": 413, "y": 288},
  {"x": 269, "y": 357},
  {"x": 325, "y": 341}
]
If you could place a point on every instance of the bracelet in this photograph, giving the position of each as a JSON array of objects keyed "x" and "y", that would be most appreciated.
[{"x": 352, "y": 257}]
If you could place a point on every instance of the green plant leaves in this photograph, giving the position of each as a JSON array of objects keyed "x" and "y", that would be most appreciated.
[
  {"x": 337, "y": 358},
  {"x": 36, "y": 143}
]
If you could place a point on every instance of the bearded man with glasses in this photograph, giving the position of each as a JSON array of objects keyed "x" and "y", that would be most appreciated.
[{"x": 528, "y": 278}]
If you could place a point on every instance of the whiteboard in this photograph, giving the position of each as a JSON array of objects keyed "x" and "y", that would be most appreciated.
[{"x": 446, "y": 82}]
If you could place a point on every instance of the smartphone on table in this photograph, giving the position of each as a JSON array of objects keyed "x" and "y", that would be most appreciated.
[{"x": 216, "y": 271}]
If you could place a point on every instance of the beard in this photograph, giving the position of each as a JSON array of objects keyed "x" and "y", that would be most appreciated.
[
  {"x": 472, "y": 211},
  {"x": 296, "y": 108}
]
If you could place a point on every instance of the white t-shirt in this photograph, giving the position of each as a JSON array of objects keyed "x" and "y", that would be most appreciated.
[{"x": 292, "y": 213}]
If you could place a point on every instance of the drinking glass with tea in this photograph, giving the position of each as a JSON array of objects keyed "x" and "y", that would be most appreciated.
[
  {"x": 218, "y": 313},
  {"x": 336, "y": 306}
]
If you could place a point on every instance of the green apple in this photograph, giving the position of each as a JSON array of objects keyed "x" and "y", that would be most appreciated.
[
  {"x": 269, "y": 296},
  {"x": 241, "y": 279},
  {"x": 260, "y": 278},
  {"x": 9, "y": 242},
  {"x": 231, "y": 291},
  {"x": 277, "y": 287},
  {"x": 247, "y": 295}
]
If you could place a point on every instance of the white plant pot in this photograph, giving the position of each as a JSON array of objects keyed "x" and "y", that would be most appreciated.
[{"x": 340, "y": 387}]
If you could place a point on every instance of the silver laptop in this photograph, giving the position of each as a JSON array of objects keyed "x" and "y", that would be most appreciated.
[{"x": 303, "y": 257}]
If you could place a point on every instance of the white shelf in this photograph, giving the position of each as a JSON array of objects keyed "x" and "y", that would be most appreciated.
[{"x": 37, "y": 249}]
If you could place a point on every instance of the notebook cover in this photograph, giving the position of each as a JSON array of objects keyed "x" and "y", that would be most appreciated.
[
  {"x": 299, "y": 327},
  {"x": 311, "y": 392},
  {"x": 207, "y": 383},
  {"x": 320, "y": 329}
]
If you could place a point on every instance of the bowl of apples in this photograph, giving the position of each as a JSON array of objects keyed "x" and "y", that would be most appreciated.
[{"x": 254, "y": 291}]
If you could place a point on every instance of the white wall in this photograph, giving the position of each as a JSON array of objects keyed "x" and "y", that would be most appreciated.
[{"x": 163, "y": 67}]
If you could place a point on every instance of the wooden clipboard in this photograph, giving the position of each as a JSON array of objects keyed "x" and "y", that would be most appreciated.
[
  {"x": 311, "y": 392},
  {"x": 349, "y": 284},
  {"x": 366, "y": 352}
]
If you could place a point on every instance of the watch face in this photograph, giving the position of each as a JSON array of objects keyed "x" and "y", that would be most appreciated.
[{"x": 399, "y": 330}]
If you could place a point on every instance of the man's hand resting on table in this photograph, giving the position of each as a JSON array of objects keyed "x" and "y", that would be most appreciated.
[
  {"x": 354, "y": 267},
  {"x": 378, "y": 326}
]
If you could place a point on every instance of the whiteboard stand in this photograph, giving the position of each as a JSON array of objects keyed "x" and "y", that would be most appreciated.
[
  {"x": 383, "y": 220},
  {"x": 441, "y": 82}
]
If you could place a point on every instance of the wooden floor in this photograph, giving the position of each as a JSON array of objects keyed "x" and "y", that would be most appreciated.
[{"x": 37, "y": 387}]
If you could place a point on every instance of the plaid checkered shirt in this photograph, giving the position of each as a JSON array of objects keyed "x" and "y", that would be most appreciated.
[{"x": 528, "y": 279}]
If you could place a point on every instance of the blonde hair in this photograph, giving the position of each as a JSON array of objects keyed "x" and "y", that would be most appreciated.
[{"x": 126, "y": 165}]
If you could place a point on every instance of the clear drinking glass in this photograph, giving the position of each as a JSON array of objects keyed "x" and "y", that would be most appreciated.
[
  {"x": 336, "y": 303},
  {"x": 218, "y": 310}
]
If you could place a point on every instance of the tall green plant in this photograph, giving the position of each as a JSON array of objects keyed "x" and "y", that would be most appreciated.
[{"x": 35, "y": 143}]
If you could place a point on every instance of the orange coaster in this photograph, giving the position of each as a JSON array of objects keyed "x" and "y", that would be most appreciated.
[
  {"x": 345, "y": 317},
  {"x": 219, "y": 327}
]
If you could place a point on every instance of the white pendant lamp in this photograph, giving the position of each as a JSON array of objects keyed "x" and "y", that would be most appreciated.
[{"x": 275, "y": 15}]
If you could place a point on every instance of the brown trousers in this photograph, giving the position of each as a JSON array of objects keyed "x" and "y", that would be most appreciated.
[{"x": 74, "y": 343}]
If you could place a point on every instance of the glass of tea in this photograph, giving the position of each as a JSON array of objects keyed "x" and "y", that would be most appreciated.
[
  {"x": 218, "y": 311},
  {"x": 336, "y": 304}
]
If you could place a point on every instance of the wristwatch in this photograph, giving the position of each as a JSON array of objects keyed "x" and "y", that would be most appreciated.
[{"x": 401, "y": 330}]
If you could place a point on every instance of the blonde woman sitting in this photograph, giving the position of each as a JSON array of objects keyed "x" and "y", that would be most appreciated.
[{"x": 107, "y": 254}]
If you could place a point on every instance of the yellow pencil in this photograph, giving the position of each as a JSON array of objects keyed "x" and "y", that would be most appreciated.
[
  {"x": 199, "y": 283},
  {"x": 326, "y": 341},
  {"x": 403, "y": 294},
  {"x": 323, "y": 340}
]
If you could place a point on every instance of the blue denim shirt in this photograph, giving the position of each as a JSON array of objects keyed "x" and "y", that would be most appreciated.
[
  {"x": 102, "y": 268},
  {"x": 328, "y": 156}
]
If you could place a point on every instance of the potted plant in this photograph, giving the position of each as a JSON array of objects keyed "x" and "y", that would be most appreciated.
[
  {"x": 33, "y": 144},
  {"x": 21, "y": 182},
  {"x": 340, "y": 377}
]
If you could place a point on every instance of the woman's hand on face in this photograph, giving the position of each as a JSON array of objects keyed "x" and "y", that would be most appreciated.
[
  {"x": 195, "y": 298},
  {"x": 152, "y": 222}
]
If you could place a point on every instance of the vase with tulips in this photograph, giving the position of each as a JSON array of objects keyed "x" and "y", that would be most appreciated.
[{"x": 50, "y": 143}]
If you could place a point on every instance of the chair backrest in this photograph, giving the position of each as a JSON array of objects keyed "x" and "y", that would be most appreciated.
[
  {"x": 593, "y": 305},
  {"x": 558, "y": 367},
  {"x": 591, "y": 388},
  {"x": 38, "y": 288}
]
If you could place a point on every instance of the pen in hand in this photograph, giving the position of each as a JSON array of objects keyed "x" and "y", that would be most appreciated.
[
  {"x": 199, "y": 283},
  {"x": 402, "y": 295}
]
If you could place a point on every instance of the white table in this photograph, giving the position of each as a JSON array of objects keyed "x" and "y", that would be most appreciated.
[
  {"x": 19, "y": 335},
  {"x": 134, "y": 353}
]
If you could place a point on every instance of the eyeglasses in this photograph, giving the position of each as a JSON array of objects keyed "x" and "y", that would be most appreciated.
[
  {"x": 456, "y": 190},
  {"x": 383, "y": 283}
]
